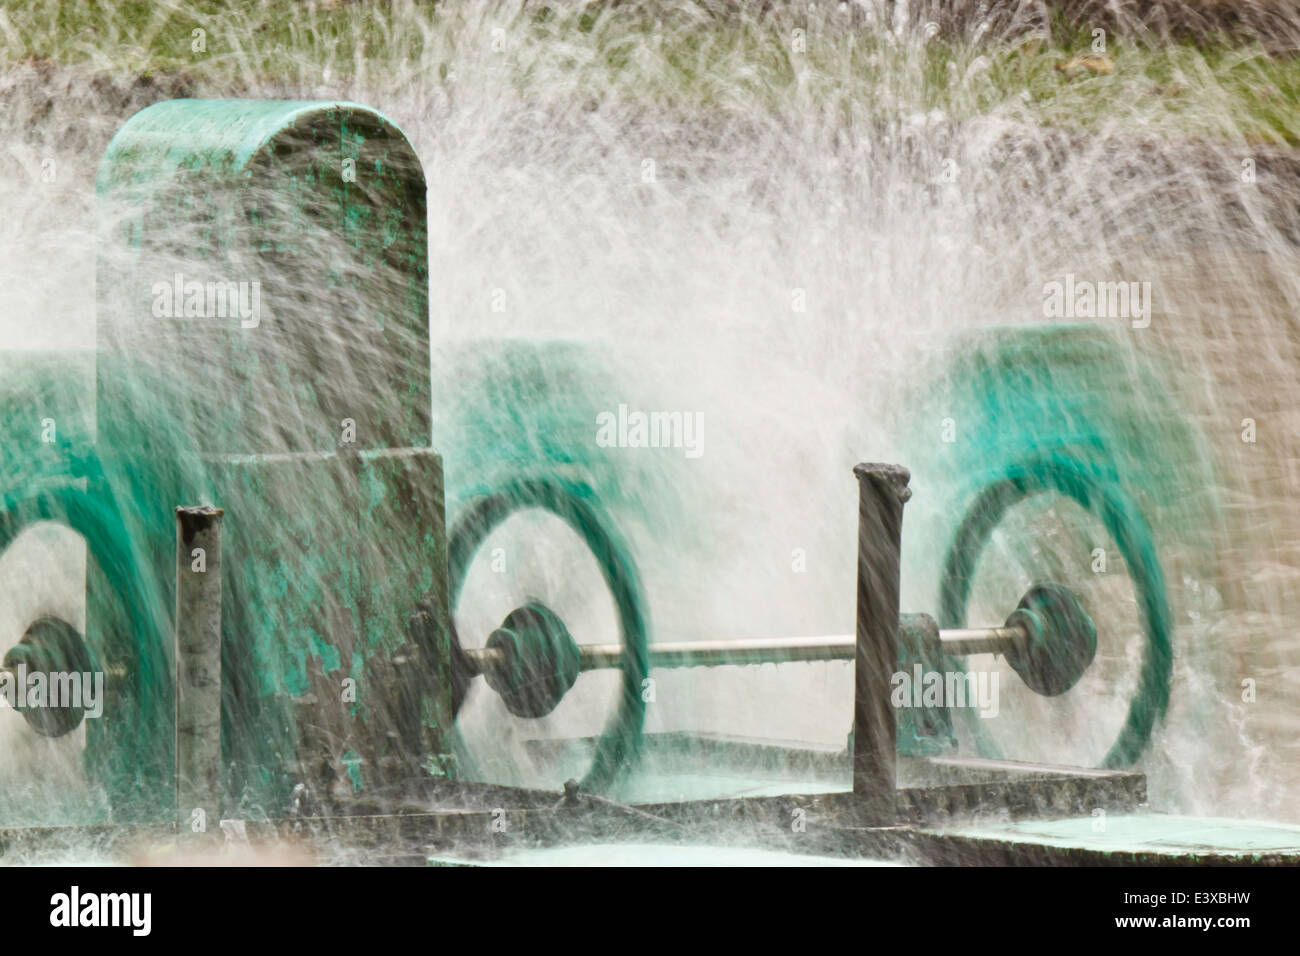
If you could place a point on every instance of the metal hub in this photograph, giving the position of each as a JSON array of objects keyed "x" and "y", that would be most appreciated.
[
  {"x": 535, "y": 660},
  {"x": 51, "y": 646},
  {"x": 1059, "y": 640}
]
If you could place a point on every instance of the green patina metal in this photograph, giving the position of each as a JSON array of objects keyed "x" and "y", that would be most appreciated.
[
  {"x": 1073, "y": 411},
  {"x": 507, "y": 405},
  {"x": 310, "y": 426},
  {"x": 324, "y": 205},
  {"x": 196, "y": 410},
  {"x": 1125, "y": 524},
  {"x": 617, "y": 749},
  {"x": 335, "y": 531},
  {"x": 1019, "y": 392}
]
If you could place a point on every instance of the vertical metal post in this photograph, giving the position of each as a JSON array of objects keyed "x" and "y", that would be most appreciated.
[
  {"x": 882, "y": 493},
  {"x": 198, "y": 666}
]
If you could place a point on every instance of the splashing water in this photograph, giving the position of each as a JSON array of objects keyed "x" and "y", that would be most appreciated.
[{"x": 827, "y": 236}]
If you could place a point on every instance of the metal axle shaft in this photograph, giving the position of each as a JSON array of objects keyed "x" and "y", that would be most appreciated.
[{"x": 775, "y": 650}]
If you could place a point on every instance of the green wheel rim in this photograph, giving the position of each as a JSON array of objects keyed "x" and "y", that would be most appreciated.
[
  {"x": 128, "y": 751},
  {"x": 620, "y": 744},
  {"x": 1126, "y": 526}
]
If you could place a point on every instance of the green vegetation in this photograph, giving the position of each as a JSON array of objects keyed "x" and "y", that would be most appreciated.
[{"x": 679, "y": 59}]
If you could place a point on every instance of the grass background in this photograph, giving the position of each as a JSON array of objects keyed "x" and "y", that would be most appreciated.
[{"x": 1218, "y": 80}]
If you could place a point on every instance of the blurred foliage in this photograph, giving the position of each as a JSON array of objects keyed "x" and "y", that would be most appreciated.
[{"x": 687, "y": 54}]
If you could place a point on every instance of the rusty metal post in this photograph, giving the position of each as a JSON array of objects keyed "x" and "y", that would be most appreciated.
[
  {"x": 198, "y": 667},
  {"x": 882, "y": 493}
]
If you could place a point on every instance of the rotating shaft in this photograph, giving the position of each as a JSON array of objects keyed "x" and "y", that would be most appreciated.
[{"x": 779, "y": 650}]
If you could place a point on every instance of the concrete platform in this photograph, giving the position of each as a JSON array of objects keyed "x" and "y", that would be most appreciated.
[
  {"x": 1156, "y": 839},
  {"x": 655, "y": 854}
]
